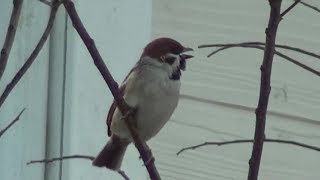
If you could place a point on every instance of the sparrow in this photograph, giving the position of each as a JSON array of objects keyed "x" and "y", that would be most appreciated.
[{"x": 152, "y": 89}]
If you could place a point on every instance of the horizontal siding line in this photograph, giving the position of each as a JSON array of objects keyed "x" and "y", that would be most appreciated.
[
  {"x": 183, "y": 169},
  {"x": 220, "y": 163},
  {"x": 206, "y": 128},
  {"x": 250, "y": 109}
]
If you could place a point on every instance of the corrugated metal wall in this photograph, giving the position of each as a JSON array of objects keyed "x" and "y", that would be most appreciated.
[{"x": 219, "y": 94}]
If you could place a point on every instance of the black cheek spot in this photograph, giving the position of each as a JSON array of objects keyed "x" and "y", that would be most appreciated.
[{"x": 183, "y": 64}]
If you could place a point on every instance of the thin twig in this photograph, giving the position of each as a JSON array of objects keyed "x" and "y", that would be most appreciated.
[
  {"x": 33, "y": 55},
  {"x": 265, "y": 88},
  {"x": 298, "y": 63},
  {"x": 249, "y": 141},
  {"x": 142, "y": 147},
  {"x": 231, "y": 45},
  {"x": 244, "y": 45},
  {"x": 123, "y": 174},
  {"x": 91, "y": 158},
  {"x": 288, "y": 9},
  {"x": 12, "y": 123},
  {"x": 11, "y": 33},
  {"x": 310, "y": 6}
]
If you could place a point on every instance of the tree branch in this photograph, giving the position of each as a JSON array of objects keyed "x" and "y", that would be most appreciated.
[
  {"x": 33, "y": 55},
  {"x": 142, "y": 147},
  {"x": 11, "y": 33},
  {"x": 91, "y": 158},
  {"x": 249, "y": 141},
  {"x": 251, "y": 45},
  {"x": 123, "y": 174},
  {"x": 309, "y": 6},
  {"x": 12, "y": 123},
  {"x": 288, "y": 9},
  {"x": 231, "y": 45},
  {"x": 261, "y": 111}
]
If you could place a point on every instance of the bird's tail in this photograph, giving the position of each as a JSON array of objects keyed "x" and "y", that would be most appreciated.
[{"x": 112, "y": 154}]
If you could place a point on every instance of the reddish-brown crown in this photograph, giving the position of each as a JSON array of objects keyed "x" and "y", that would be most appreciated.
[{"x": 162, "y": 46}]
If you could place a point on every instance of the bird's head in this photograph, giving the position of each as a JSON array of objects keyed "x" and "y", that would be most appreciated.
[{"x": 167, "y": 54}]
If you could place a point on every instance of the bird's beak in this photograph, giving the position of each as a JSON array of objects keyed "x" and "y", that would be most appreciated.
[
  {"x": 187, "y": 49},
  {"x": 186, "y": 56}
]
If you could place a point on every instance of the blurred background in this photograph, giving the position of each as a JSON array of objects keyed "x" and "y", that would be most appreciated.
[{"x": 67, "y": 100}]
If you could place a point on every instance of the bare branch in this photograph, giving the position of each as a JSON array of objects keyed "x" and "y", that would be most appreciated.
[
  {"x": 298, "y": 63},
  {"x": 231, "y": 45},
  {"x": 12, "y": 123},
  {"x": 265, "y": 88},
  {"x": 310, "y": 6},
  {"x": 244, "y": 45},
  {"x": 11, "y": 33},
  {"x": 91, "y": 158},
  {"x": 288, "y": 9},
  {"x": 33, "y": 55},
  {"x": 123, "y": 174},
  {"x": 142, "y": 147},
  {"x": 249, "y": 141}
]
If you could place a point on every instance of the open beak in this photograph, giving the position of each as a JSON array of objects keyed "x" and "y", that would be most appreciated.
[
  {"x": 186, "y": 49},
  {"x": 186, "y": 56}
]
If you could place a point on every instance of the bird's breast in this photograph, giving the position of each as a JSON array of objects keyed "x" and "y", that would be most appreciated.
[
  {"x": 155, "y": 96},
  {"x": 156, "y": 107}
]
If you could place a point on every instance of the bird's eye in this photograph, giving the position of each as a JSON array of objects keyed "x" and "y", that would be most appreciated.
[{"x": 170, "y": 59}]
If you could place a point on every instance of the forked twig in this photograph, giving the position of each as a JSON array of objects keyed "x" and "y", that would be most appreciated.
[
  {"x": 231, "y": 45},
  {"x": 252, "y": 45},
  {"x": 33, "y": 55}
]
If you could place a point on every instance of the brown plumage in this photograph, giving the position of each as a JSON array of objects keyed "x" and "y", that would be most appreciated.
[{"x": 152, "y": 88}]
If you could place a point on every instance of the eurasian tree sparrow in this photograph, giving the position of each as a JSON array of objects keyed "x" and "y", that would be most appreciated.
[{"x": 152, "y": 89}]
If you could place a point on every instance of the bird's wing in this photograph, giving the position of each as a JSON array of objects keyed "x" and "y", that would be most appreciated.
[
  {"x": 112, "y": 109},
  {"x": 114, "y": 105}
]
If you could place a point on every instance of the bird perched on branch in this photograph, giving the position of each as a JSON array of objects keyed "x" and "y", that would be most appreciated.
[{"x": 152, "y": 89}]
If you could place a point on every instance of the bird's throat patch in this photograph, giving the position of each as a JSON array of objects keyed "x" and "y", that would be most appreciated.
[{"x": 176, "y": 74}]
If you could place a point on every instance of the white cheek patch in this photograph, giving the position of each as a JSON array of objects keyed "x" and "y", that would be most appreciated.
[{"x": 162, "y": 68}]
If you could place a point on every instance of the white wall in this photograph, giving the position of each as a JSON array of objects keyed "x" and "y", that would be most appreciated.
[
  {"x": 26, "y": 140},
  {"x": 78, "y": 98},
  {"x": 120, "y": 30}
]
